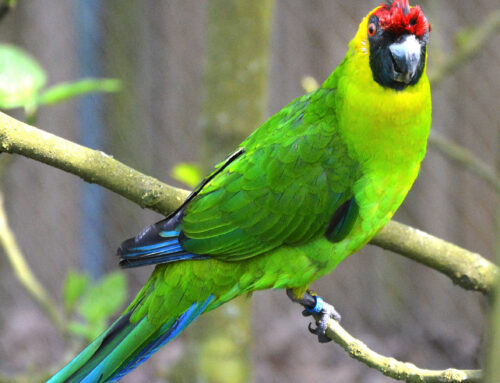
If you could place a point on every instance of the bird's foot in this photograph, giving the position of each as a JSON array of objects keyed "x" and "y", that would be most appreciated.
[{"x": 322, "y": 311}]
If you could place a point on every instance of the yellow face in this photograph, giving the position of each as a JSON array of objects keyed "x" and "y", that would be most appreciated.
[
  {"x": 392, "y": 42},
  {"x": 360, "y": 42},
  {"x": 395, "y": 115}
]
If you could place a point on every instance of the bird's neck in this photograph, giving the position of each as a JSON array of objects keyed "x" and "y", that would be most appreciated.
[
  {"x": 381, "y": 126},
  {"x": 385, "y": 131}
]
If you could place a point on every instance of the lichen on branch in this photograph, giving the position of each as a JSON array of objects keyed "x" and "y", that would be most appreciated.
[
  {"x": 469, "y": 270},
  {"x": 92, "y": 166},
  {"x": 393, "y": 368}
]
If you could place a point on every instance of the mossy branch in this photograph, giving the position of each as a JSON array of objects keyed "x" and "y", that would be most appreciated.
[
  {"x": 393, "y": 368},
  {"x": 469, "y": 270},
  {"x": 92, "y": 166}
]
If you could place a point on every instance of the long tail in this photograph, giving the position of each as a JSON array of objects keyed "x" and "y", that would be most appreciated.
[
  {"x": 123, "y": 347},
  {"x": 134, "y": 338}
]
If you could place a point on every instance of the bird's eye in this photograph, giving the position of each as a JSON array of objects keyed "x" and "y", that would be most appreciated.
[{"x": 372, "y": 29}]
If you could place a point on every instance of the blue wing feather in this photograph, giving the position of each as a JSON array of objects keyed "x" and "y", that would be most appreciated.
[
  {"x": 157, "y": 243},
  {"x": 160, "y": 243}
]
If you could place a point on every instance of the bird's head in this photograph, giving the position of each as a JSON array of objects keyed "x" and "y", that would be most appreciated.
[{"x": 394, "y": 37}]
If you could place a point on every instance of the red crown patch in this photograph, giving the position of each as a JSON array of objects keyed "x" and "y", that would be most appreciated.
[{"x": 398, "y": 17}]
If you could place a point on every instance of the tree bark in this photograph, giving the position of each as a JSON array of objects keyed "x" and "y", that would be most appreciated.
[{"x": 234, "y": 105}]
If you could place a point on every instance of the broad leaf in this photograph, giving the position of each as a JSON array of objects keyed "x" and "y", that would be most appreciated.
[
  {"x": 65, "y": 91},
  {"x": 104, "y": 298},
  {"x": 21, "y": 77},
  {"x": 73, "y": 289}
]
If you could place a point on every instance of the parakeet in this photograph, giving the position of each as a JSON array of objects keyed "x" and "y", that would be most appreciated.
[{"x": 309, "y": 187}]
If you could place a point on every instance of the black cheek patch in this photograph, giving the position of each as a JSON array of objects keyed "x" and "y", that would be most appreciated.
[{"x": 381, "y": 63}]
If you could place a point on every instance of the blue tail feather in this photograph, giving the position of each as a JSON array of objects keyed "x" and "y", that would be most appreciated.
[
  {"x": 128, "y": 263},
  {"x": 168, "y": 234},
  {"x": 118, "y": 351},
  {"x": 158, "y": 243},
  {"x": 168, "y": 333},
  {"x": 160, "y": 248}
]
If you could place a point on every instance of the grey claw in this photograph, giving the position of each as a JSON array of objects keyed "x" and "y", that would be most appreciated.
[
  {"x": 320, "y": 309},
  {"x": 328, "y": 312},
  {"x": 312, "y": 330},
  {"x": 323, "y": 338}
]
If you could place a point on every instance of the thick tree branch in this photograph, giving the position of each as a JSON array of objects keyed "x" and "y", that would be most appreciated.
[
  {"x": 468, "y": 270},
  {"x": 393, "y": 368},
  {"x": 91, "y": 165}
]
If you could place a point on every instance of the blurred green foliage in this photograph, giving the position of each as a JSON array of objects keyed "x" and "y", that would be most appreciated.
[
  {"x": 73, "y": 288},
  {"x": 65, "y": 91},
  {"x": 93, "y": 303},
  {"x": 89, "y": 305},
  {"x": 10, "y": 3},
  {"x": 189, "y": 174},
  {"x": 22, "y": 80},
  {"x": 21, "y": 77}
]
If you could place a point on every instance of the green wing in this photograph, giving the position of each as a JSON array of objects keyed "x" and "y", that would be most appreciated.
[{"x": 283, "y": 189}]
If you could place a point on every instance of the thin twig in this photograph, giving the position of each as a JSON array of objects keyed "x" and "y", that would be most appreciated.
[
  {"x": 465, "y": 158},
  {"x": 393, "y": 368},
  {"x": 24, "y": 274},
  {"x": 472, "y": 42}
]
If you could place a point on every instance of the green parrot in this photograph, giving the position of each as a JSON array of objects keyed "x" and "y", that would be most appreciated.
[{"x": 309, "y": 187}]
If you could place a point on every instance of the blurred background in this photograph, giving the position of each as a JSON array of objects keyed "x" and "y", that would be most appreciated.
[{"x": 163, "y": 52}]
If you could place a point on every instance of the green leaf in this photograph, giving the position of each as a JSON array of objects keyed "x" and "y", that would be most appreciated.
[
  {"x": 11, "y": 3},
  {"x": 21, "y": 77},
  {"x": 89, "y": 331},
  {"x": 187, "y": 173},
  {"x": 96, "y": 329},
  {"x": 73, "y": 288},
  {"x": 80, "y": 329},
  {"x": 104, "y": 298},
  {"x": 66, "y": 91}
]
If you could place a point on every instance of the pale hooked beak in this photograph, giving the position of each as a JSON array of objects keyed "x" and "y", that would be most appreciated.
[{"x": 405, "y": 56}]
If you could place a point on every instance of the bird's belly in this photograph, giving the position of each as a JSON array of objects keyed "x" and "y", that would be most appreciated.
[{"x": 296, "y": 266}]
